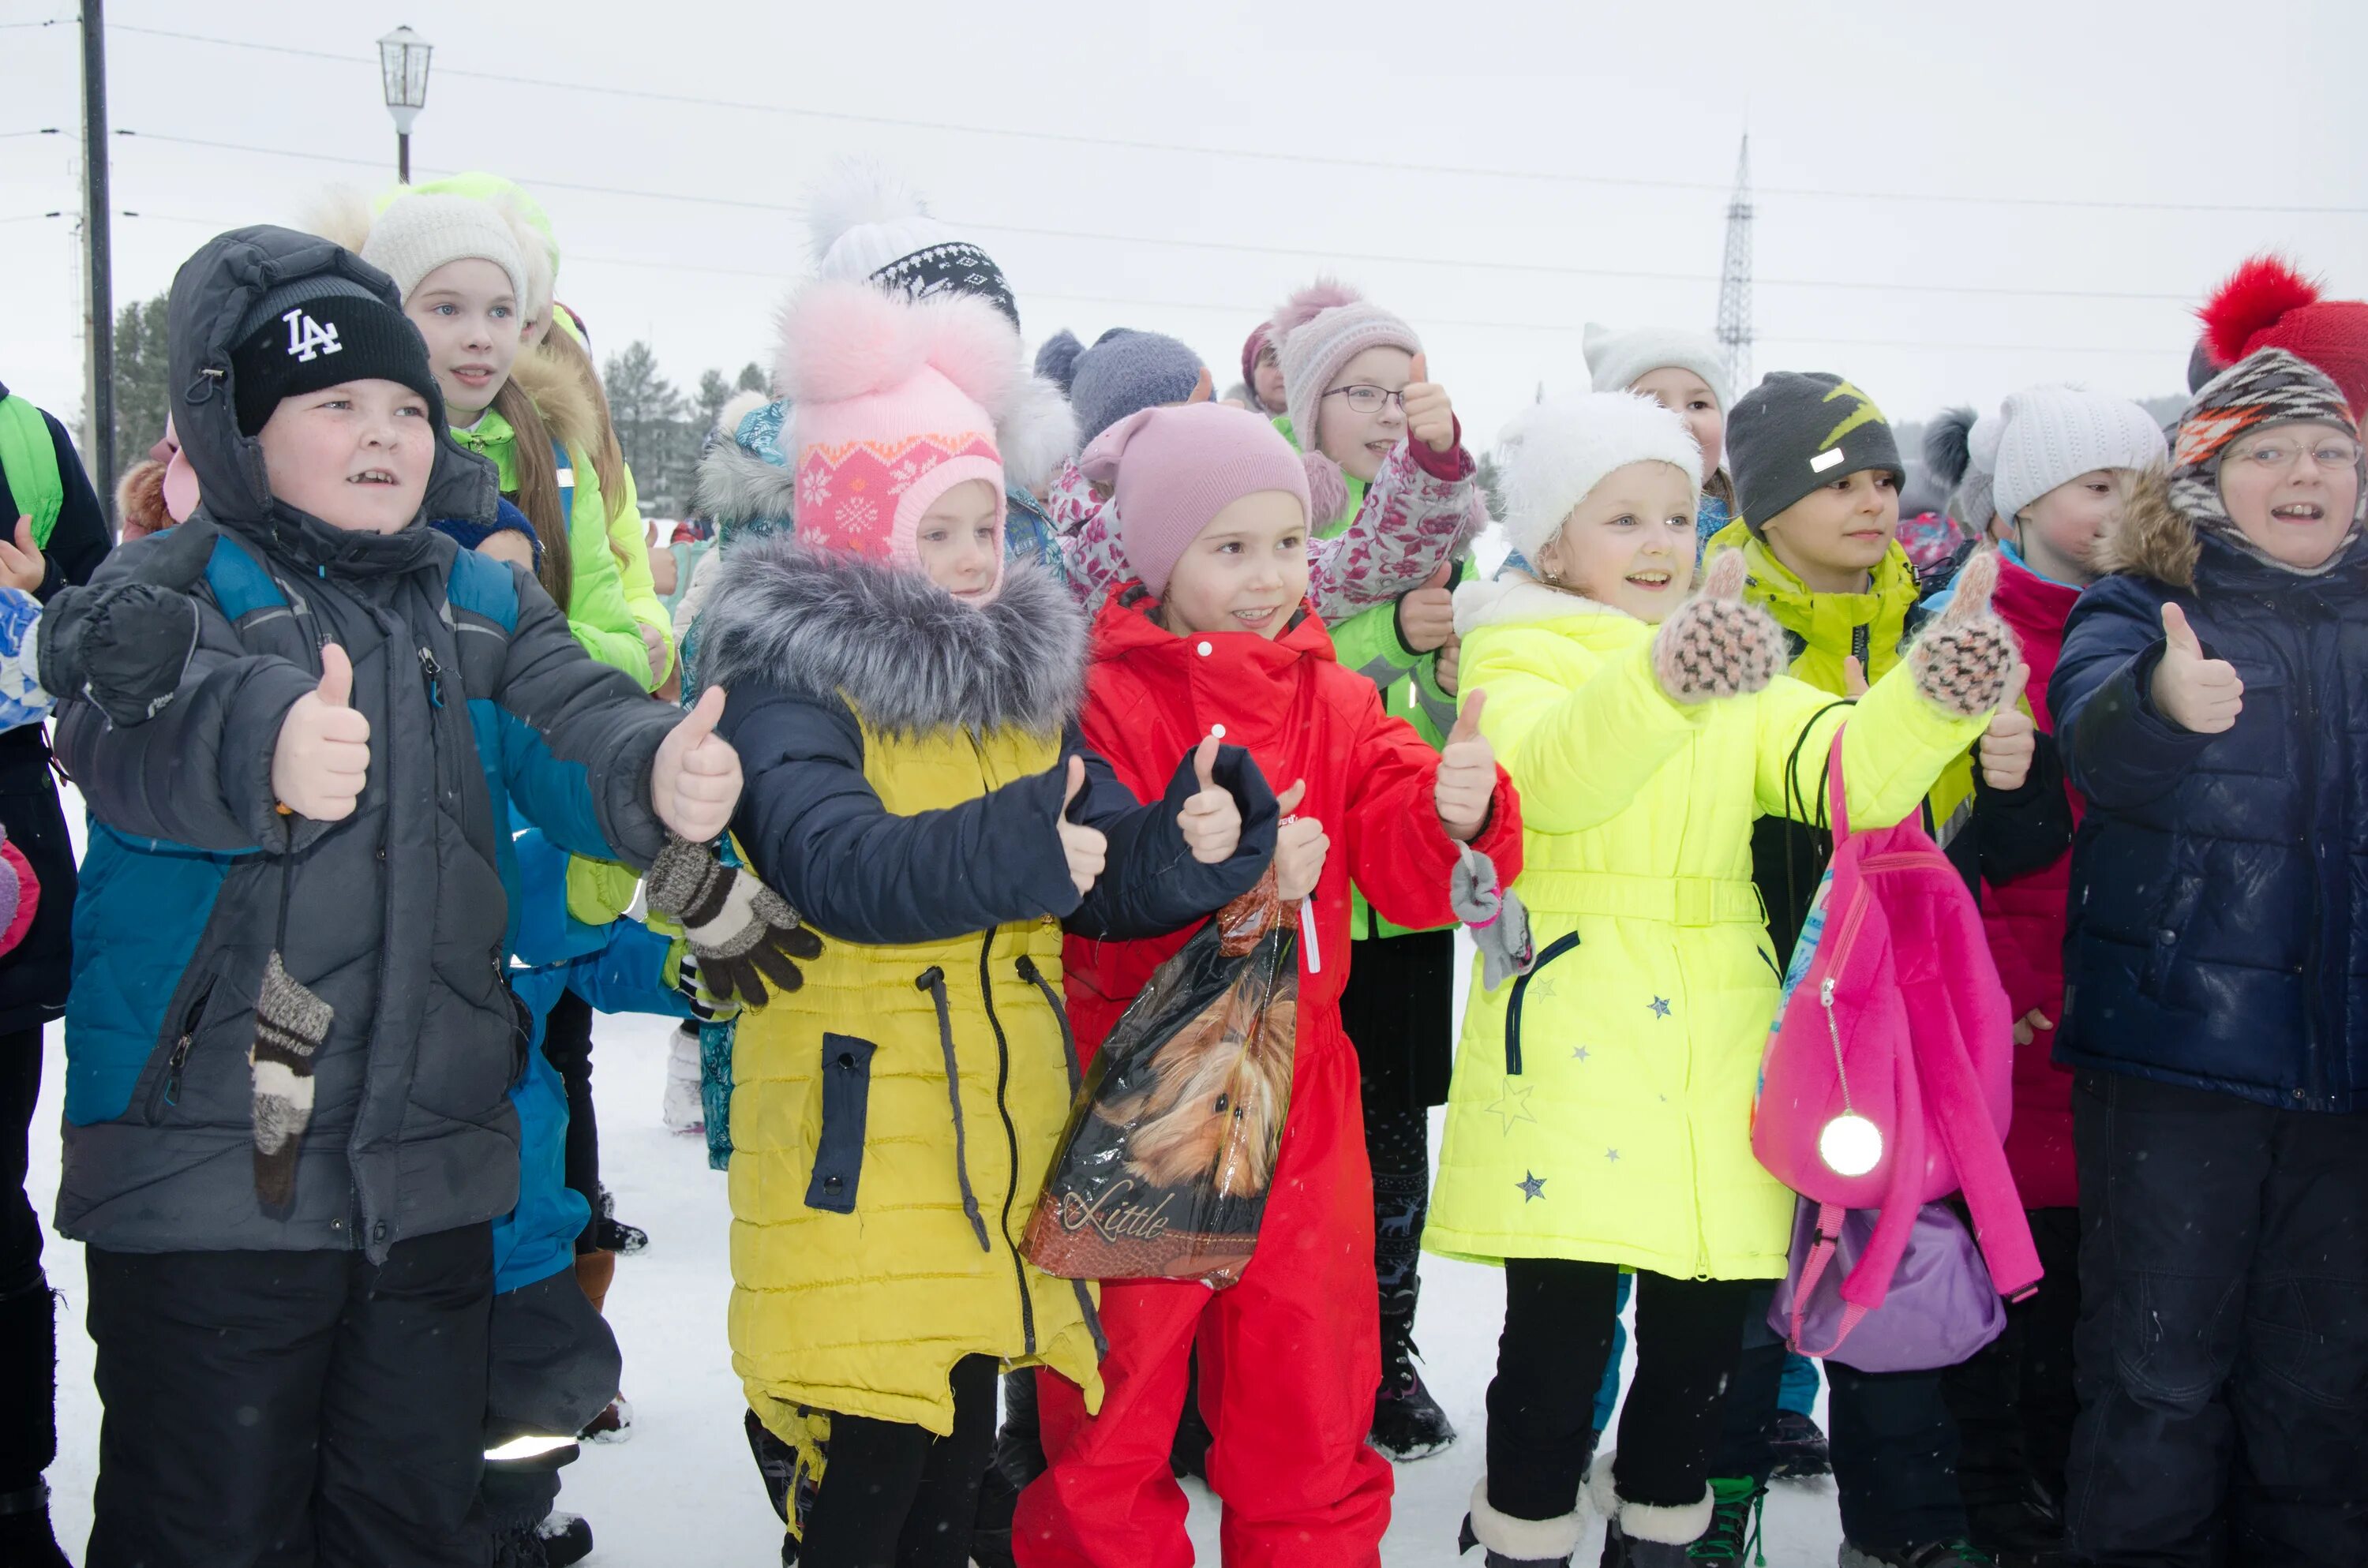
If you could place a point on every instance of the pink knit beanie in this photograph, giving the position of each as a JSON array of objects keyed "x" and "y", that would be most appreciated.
[
  {"x": 892, "y": 403},
  {"x": 1173, "y": 469},
  {"x": 1317, "y": 332}
]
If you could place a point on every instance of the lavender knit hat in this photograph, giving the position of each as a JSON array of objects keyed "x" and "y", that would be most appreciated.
[
  {"x": 1318, "y": 330},
  {"x": 1175, "y": 468}
]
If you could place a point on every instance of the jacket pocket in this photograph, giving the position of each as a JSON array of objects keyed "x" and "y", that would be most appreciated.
[
  {"x": 1555, "y": 950},
  {"x": 846, "y": 1106},
  {"x": 165, "y": 1093},
  {"x": 2168, "y": 938}
]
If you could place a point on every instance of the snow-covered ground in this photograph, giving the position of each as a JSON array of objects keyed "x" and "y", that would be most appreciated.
[{"x": 686, "y": 1475}]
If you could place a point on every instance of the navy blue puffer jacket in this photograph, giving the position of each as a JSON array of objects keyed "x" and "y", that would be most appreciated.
[{"x": 2218, "y": 930}]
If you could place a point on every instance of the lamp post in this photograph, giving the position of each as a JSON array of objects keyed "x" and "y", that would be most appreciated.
[{"x": 402, "y": 62}]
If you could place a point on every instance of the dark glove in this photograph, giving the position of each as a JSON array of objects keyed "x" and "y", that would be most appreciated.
[
  {"x": 124, "y": 646},
  {"x": 741, "y": 932}
]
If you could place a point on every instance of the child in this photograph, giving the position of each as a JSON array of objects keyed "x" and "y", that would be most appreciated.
[
  {"x": 286, "y": 1123},
  {"x": 1359, "y": 392},
  {"x": 908, "y": 697},
  {"x": 2204, "y": 703},
  {"x": 1261, "y": 389},
  {"x": 1684, "y": 372},
  {"x": 1600, "y": 1112},
  {"x": 1216, "y": 639},
  {"x": 1817, "y": 473},
  {"x": 2064, "y": 466}
]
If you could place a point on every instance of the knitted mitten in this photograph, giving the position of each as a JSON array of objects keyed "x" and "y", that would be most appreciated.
[
  {"x": 1499, "y": 925},
  {"x": 1962, "y": 659},
  {"x": 741, "y": 932},
  {"x": 1714, "y": 644}
]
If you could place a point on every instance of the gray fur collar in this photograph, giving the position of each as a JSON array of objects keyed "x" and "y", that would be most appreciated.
[{"x": 906, "y": 657}]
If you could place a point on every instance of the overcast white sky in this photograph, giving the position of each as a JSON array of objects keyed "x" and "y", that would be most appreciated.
[{"x": 1953, "y": 199}]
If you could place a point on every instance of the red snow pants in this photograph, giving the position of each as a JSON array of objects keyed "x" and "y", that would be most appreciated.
[{"x": 1291, "y": 1360}]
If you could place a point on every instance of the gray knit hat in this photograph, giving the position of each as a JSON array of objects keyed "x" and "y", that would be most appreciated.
[
  {"x": 1123, "y": 372},
  {"x": 1797, "y": 430},
  {"x": 2054, "y": 435},
  {"x": 1617, "y": 359},
  {"x": 420, "y": 232}
]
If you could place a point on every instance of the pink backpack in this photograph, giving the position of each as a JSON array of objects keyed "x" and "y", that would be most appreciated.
[{"x": 1888, "y": 1079}]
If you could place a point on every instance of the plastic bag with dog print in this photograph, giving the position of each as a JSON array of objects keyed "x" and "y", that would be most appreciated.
[{"x": 1171, "y": 1144}]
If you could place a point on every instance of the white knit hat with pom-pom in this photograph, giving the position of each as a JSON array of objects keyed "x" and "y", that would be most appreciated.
[
  {"x": 866, "y": 226},
  {"x": 1554, "y": 453}
]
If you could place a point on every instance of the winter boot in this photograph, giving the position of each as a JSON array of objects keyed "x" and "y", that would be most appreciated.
[
  {"x": 1646, "y": 1535},
  {"x": 2022, "y": 1529},
  {"x": 1512, "y": 1542},
  {"x": 517, "y": 1546},
  {"x": 614, "y": 1424},
  {"x": 29, "y": 1432},
  {"x": 1798, "y": 1445},
  {"x": 1926, "y": 1555},
  {"x": 682, "y": 1109},
  {"x": 1407, "y": 1421},
  {"x": 990, "y": 1537},
  {"x": 567, "y": 1539},
  {"x": 1734, "y": 1533},
  {"x": 595, "y": 1272},
  {"x": 613, "y": 1237}
]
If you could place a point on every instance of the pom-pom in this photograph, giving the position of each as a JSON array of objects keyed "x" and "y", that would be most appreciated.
[
  {"x": 846, "y": 340},
  {"x": 1947, "y": 446},
  {"x": 1328, "y": 491},
  {"x": 340, "y": 214},
  {"x": 739, "y": 406},
  {"x": 2264, "y": 289},
  {"x": 857, "y": 194},
  {"x": 1058, "y": 361},
  {"x": 1324, "y": 294}
]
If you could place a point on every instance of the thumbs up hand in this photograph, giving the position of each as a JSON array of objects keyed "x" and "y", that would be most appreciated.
[
  {"x": 1961, "y": 661},
  {"x": 1429, "y": 416},
  {"x": 21, "y": 564},
  {"x": 322, "y": 759},
  {"x": 2008, "y": 746},
  {"x": 1211, "y": 821},
  {"x": 695, "y": 779},
  {"x": 1300, "y": 847},
  {"x": 1714, "y": 644},
  {"x": 1466, "y": 781},
  {"x": 1086, "y": 847},
  {"x": 2201, "y": 695}
]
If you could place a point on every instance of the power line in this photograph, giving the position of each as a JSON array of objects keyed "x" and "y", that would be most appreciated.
[
  {"x": 1269, "y": 155},
  {"x": 1319, "y": 253},
  {"x": 44, "y": 130}
]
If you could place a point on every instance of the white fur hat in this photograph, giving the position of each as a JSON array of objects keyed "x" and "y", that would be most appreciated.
[
  {"x": 1616, "y": 359},
  {"x": 2051, "y": 435},
  {"x": 420, "y": 232},
  {"x": 1554, "y": 453}
]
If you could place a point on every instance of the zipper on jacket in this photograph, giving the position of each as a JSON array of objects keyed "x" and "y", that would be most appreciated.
[
  {"x": 434, "y": 673},
  {"x": 169, "y": 1089},
  {"x": 1862, "y": 647},
  {"x": 1555, "y": 950},
  {"x": 2314, "y": 1064},
  {"x": 1011, "y": 1136}
]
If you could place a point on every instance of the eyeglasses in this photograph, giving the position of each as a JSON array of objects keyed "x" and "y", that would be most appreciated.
[
  {"x": 2332, "y": 452},
  {"x": 1368, "y": 400}
]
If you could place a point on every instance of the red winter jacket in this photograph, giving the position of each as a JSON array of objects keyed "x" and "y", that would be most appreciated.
[
  {"x": 1151, "y": 696},
  {"x": 2025, "y": 920}
]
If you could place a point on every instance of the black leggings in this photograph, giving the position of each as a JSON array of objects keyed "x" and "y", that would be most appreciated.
[
  {"x": 1558, "y": 1317},
  {"x": 567, "y": 1046},
  {"x": 1398, "y": 1144},
  {"x": 894, "y": 1496}
]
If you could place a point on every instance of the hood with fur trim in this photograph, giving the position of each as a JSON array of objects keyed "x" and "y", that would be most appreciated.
[
  {"x": 1515, "y": 599},
  {"x": 2153, "y": 537},
  {"x": 908, "y": 657}
]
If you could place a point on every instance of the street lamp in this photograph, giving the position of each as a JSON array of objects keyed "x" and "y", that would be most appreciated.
[{"x": 403, "y": 61}]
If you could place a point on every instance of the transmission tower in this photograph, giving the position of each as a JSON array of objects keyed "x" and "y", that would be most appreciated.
[{"x": 1735, "y": 280}]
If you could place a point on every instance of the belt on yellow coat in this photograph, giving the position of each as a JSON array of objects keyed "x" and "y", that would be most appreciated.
[{"x": 1615, "y": 895}]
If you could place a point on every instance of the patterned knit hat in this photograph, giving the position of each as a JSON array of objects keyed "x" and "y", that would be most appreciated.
[
  {"x": 2272, "y": 387},
  {"x": 2054, "y": 435},
  {"x": 867, "y": 226},
  {"x": 892, "y": 403},
  {"x": 1174, "y": 469},
  {"x": 1797, "y": 430},
  {"x": 1318, "y": 331},
  {"x": 2267, "y": 305}
]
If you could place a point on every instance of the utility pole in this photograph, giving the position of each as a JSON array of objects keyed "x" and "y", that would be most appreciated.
[
  {"x": 98, "y": 320},
  {"x": 1735, "y": 280}
]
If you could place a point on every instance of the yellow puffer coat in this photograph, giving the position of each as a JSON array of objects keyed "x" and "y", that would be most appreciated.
[
  {"x": 1601, "y": 1104},
  {"x": 866, "y": 1311}
]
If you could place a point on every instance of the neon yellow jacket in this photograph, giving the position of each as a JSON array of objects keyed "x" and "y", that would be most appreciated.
[{"x": 1601, "y": 1104}]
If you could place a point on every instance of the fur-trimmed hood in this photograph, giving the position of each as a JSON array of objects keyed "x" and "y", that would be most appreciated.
[
  {"x": 907, "y": 656},
  {"x": 1518, "y": 600},
  {"x": 560, "y": 395},
  {"x": 2153, "y": 537}
]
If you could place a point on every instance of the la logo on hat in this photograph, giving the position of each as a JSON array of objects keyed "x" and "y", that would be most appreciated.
[{"x": 308, "y": 340}]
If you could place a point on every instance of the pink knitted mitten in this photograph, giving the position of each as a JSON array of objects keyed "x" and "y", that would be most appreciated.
[
  {"x": 1962, "y": 659},
  {"x": 1714, "y": 644}
]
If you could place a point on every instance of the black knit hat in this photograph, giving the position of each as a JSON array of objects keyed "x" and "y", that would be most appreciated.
[
  {"x": 956, "y": 266},
  {"x": 317, "y": 332},
  {"x": 1797, "y": 430}
]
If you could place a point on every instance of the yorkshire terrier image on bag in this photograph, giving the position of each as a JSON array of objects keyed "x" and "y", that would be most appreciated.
[{"x": 1172, "y": 1143}]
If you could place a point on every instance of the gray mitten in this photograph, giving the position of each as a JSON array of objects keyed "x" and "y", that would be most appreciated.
[
  {"x": 1499, "y": 925},
  {"x": 1963, "y": 660},
  {"x": 1714, "y": 644}
]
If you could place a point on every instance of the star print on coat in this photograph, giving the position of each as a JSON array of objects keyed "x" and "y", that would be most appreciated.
[
  {"x": 1513, "y": 1105},
  {"x": 1660, "y": 1007},
  {"x": 1612, "y": 1155},
  {"x": 1532, "y": 1185},
  {"x": 1579, "y": 1054}
]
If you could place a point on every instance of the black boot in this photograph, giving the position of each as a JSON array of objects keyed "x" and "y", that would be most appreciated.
[
  {"x": 1407, "y": 1421},
  {"x": 1513, "y": 1542},
  {"x": 1645, "y": 1535},
  {"x": 29, "y": 1432}
]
